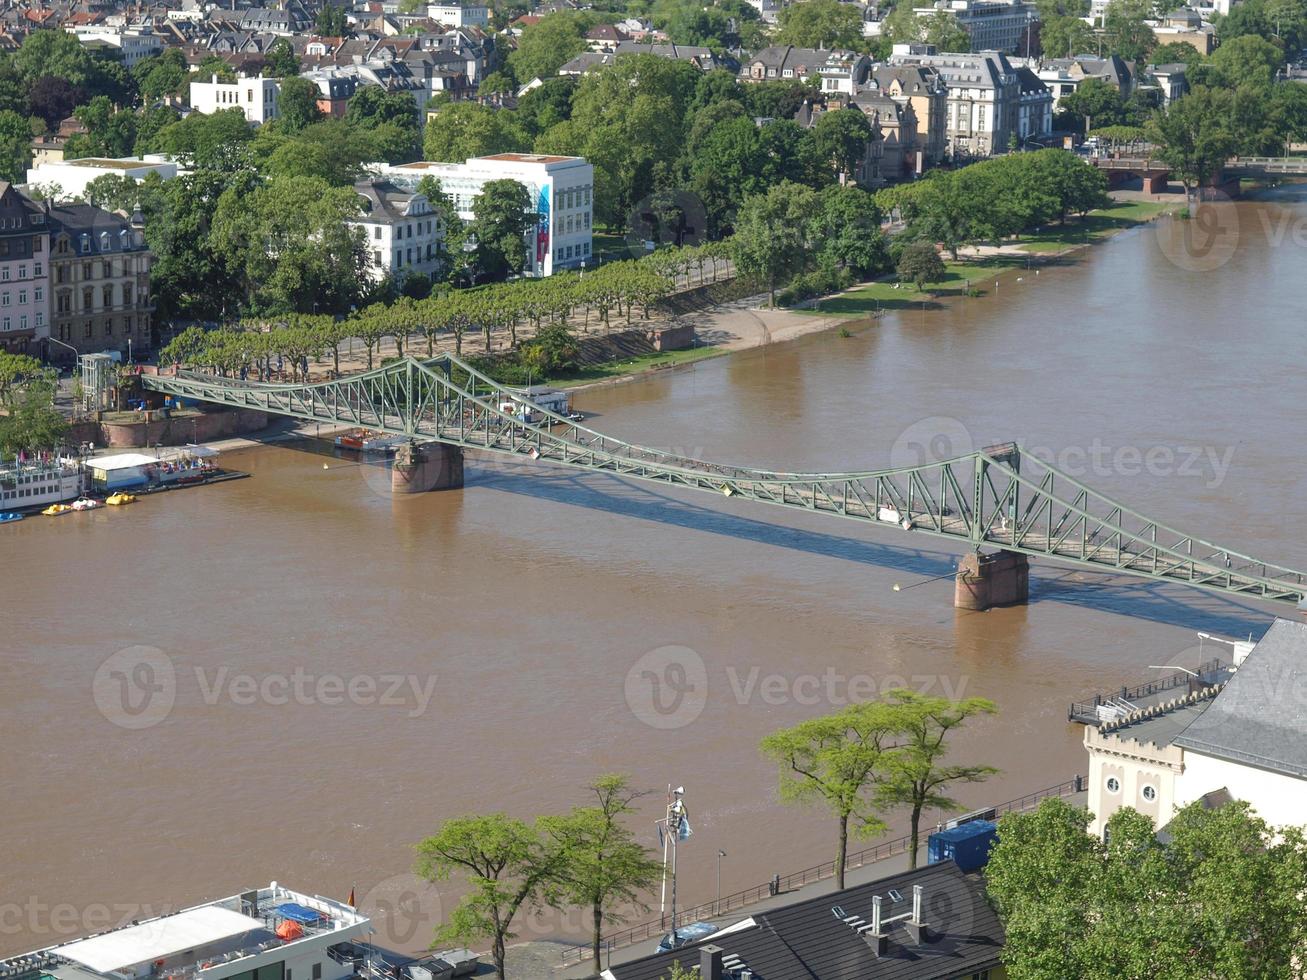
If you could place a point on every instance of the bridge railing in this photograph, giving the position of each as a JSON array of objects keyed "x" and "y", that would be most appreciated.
[
  {"x": 656, "y": 928},
  {"x": 1086, "y": 712}
]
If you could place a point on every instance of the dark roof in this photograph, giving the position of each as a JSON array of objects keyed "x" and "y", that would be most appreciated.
[
  {"x": 19, "y": 215},
  {"x": 1260, "y": 717},
  {"x": 810, "y": 940},
  {"x": 383, "y": 202},
  {"x": 78, "y": 220}
]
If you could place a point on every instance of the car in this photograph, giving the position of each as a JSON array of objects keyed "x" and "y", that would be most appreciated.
[{"x": 685, "y": 935}]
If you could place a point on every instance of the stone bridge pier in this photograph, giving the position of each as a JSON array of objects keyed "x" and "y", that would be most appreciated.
[
  {"x": 1001, "y": 578},
  {"x": 420, "y": 467}
]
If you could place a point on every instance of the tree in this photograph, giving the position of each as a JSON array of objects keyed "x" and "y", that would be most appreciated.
[
  {"x": 1065, "y": 37},
  {"x": 1126, "y": 30},
  {"x": 1193, "y": 135},
  {"x": 392, "y": 120},
  {"x": 113, "y": 192},
  {"x": 841, "y": 139},
  {"x": 851, "y": 230},
  {"x": 1247, "y": 61},
  {"x": 771, "y": 233},
  {"x": 297, "y": 104},
  {"x": 1223, "y": 897},
  {"x": 33, "y": 423},
  {"x": 920, "y": 264},
  {"x": 917, "y": 775},
  {"x": 838, "y": 761},
  {"x": 505, "y": 863},
  {"x": 20, "y": 373},
  {"x": 214, "y": 141},
  {"x": 330, "y": 21},
  {"x": 820, "y": 24},
  {"x": 601, "y": 867},
  {"x": 109, "y": 133},
  {"x": 53, "y": 99},
  {"x": 463, "y": 130},
  {"x": 15, "y": 146},
  {"x": 547, "y": 45},
  {"x": 502, "y": 214},
  {"x": 1094, "y": 103},
  {"x": 280, "y": 60},
  {"x": 161, "y": 75}
]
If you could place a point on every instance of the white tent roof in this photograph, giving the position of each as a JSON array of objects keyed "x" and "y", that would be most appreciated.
[
  {"x": 120, "y": 462},
  {"x": 159, "y": 938}
]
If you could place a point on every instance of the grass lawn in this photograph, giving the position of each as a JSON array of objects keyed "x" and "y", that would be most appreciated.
[
  {"x": 634, "y": 365},
  {"x": 980, "y": 273}
]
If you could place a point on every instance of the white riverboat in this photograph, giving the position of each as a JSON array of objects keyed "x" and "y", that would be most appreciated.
[{"x": 35, "y": 484}]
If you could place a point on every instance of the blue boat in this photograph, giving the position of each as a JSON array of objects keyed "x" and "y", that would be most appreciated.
[{"x": 9, "y": 517}]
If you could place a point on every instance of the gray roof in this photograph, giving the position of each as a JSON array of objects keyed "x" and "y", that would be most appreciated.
[
  {"x": 1260, "y": 717},
  {"x": 810, "y": 940},
  {"x": 383, "y": 202},
  {"x": 1160, "y": 728}
]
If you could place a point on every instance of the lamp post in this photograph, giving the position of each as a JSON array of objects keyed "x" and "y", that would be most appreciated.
[{"x": 717, "y": 905}]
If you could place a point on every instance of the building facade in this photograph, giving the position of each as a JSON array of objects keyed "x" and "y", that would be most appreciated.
[
  {"x": 922, "y": 89},
  {"x": 561, "y": 190},
  {"x": 459, "y": 15},
  {"x": 255, "y": 96},
  {"x": 72, "y": 176},
  {"x": 99, "y": 289},
  {"x": 993, "y": 25},
  {"x": 24, "y": 283},
  {"x": 404, "y": 235},
  {"x": 984, "y": 97}
]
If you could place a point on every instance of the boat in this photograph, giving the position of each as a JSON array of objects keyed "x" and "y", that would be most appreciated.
[
  {"x": 30, "y": 485},
  {"x": 86, "y": 503},
  {"x": 10, "y": 517},
  {"x": 120, "y": 498},
  {"x": 366, "y": 441},
  {"x": 54, "y": 510}
]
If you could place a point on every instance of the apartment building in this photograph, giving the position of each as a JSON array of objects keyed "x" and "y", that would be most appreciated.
[
  {"x": 255, "y": 96},
  {"x": 24, "y": 253},
  {"x": 562, "y": 195},
  {"x": 404, "y": 235}
]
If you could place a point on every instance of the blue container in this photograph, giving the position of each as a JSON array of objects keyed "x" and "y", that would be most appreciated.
[{"x": 968, "y": 844}]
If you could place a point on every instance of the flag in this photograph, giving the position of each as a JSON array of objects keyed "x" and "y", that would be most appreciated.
[
  {"x": 683, "y": 830},
  {"x": 351, "y": 897}
]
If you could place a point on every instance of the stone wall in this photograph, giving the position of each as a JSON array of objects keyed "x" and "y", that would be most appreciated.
[{"x": 174, "y": 431}]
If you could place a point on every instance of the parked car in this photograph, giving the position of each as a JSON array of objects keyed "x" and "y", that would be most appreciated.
[{"x": 686, "y": 934}]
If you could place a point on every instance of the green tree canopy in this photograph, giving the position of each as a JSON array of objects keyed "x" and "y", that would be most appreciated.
[
  {"x": 461, "y": 130},
  {"x": 820, "y": 24},
  {"x": 503, "y": 213},
  {"x": 547, "y": 45}
]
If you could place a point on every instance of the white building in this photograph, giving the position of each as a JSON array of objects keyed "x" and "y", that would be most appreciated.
[
  {"x": 269, "y": 933},
  {"x": 256, "y": 97},
  {"x": 459, "y": 14},
  {"x": 1245, "y": 739},
  {"x": 72, "y": 176},
  {"x": 135, "y": 42},
  {"x": 405, "y": 236},
  {"x": 561, "y": 189}
]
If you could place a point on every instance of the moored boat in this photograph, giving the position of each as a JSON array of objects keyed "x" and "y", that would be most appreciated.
[
  {"x": 120, "y": 498},
  {"x": 86, "y": 503},
  {"x": 10, "y": 517},
  {"x": 54, "y": 510}
]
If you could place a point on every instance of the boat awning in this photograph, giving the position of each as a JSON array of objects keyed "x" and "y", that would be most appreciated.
[
  {"x": 299, "y": 913},
  {"x": 159, "y": 938},
  {"x": 122, "y": 461}
]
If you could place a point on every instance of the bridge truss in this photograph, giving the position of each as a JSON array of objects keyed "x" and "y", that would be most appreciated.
[{"x": 1000, "y": 497}]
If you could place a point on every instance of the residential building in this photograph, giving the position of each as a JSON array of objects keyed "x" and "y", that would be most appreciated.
[
  {"x": 768, "y": 10},
  {"x": 932, "y": 923},
  {"x": 1065, "y": 75},
  {"x": 994, "y": 25},
  {"x": 404, "y": 235},
  {"x": 1034, "y": 107},
  {"x": 984, "y": 95},
  {"x": 605, "y": 37},
  {"x": 265, "y": 933},
  {"x": 1245, "y": 738},
  {"x": 256, "y": 97},
  {"x": 99, "y": 292},
  {"x": 72, "y": 176},
  {"x": 922, "y": 88},
  {"x": 844, "y": 72},
  {"x": 24, "y": 282},
  {"x": 702, "y": 58},
  {"x": 133, "y": 43},
  {"x": 459, "y": 14},
  {"x": 784, "y": 61},
  {"x": 1171, "y": 80},
  {"x": 561, "y": 190},
  {"x": 894, "y": 138}
]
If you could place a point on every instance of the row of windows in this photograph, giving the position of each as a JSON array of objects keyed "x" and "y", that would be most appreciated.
[
  {"x": 578, "y": 197},
  {"x": 405, "y": 257},
  {"x": 106, "y": 269},
  {"x": 18, "y": 247},
  {"x": 38, "y": 270},
  {"x": 1149, "y": 793},
  {"x": 573, "y": 223},
  {"x": 38, "y": 296},
  {"x": 565, "y": 252},
  {"x": 407, "y": 231},
  {"x": 7, "y": 323},
  {"x": 64, "y": 298},
  {"x": 106, "y": 327}
]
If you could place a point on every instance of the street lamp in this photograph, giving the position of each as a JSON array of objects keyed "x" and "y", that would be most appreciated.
[{"x": 717, "y": 905}]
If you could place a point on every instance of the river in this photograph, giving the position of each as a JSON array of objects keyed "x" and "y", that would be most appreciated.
[{"x": 337, "y": 671}]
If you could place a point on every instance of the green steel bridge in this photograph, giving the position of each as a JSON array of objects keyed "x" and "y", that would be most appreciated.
[{"x": 998, "y": 497}]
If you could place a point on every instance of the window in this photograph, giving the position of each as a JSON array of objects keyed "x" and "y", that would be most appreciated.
[
  {"x": 37, "y": 270},
  {"x": 317, "y": 971},
  {"x": 4, "y": 274},
  {"x": 127, "y": 295},
  {"x": 22, "y": 272},
  {"x": 376, "y": 232},
  {"x": 108, "y": 326},
  {"x": 88, "y": 299},
  {"x": 36, "y": 245},
  {"x": 40, "y": 319},
  {"x": 1149, "y": 793},
  {"x": 6, "y": 322},
  {"x": 22, "y": 297},
  {"x": 88, "y": 270},
  {"x": 376, "y": 258},
  {"x": 86, "y": 243},
  {"x": 22, "y": 325},
  {"x": 1113, "y": 784},
  {"x": 4, "y": 298},
  {"x": 107, "y": 294}
]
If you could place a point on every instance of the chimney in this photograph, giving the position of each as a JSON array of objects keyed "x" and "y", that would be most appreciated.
[
  {"x": 876, "y": 937},
  {"x": 917, "y": 928},
  {"x": 710, "y": 962}
]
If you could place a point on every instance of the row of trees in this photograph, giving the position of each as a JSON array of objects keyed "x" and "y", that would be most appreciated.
[
  {"x": 255, "y": 344},
  {"x": 859, "y": 762}
]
